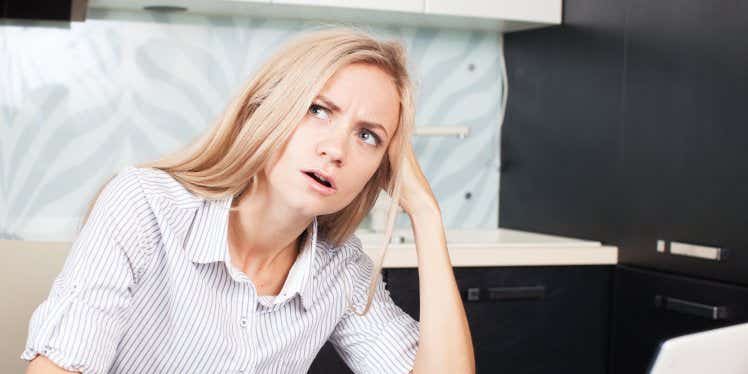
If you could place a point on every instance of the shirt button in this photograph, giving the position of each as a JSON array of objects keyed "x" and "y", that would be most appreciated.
[{"x": 243, "y": 323}]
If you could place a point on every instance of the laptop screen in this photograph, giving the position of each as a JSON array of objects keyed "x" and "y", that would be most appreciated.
[{"x": 721, "y": 350}]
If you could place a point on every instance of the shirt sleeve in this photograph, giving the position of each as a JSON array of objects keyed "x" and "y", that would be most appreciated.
[
  {"x": 385, "y": 339},
  {"x": 79, "y": 325}
]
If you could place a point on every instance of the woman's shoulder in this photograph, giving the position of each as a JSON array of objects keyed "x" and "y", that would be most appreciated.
[
  {"x": 351, "y": 252},
  {"x": 157, "y": 183},
  {"x": 351, "y": 246}
]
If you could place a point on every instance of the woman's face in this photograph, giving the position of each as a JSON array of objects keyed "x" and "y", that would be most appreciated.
[{"x": 344, "y": 135}]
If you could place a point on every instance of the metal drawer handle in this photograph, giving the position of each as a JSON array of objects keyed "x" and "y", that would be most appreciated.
[
  {"x": 692, "y": 250},
  {"x": 712, "y": 312},
  {"x": 506, "y": 293},
  {"x": 516, "y": 293}
]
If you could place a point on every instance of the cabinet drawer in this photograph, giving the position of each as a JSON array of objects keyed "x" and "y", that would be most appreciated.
[
  {"x": 551, "y": 319},
  {"x": 651, "y": 307},
  {"x": 729, "y": 266}
]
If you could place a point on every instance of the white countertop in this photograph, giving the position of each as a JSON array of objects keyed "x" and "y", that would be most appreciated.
[{"x": 499, "y": 247}]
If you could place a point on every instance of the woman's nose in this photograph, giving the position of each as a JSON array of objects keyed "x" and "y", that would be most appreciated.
[{"x": 333, "y": 145}]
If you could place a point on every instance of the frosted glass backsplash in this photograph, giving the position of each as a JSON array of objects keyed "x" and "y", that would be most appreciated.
[{"x": 80, "y": 102}]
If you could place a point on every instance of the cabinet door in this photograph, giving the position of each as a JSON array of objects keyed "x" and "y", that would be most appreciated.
[
  {"x": 385, "y": 5},
  {"x": 528, "y": 10},
  {"x": 51, "y": 10},
  {"x": 684, "y": 134},
  {"x": 328, "y": 361},
  {"x": 651, "y": 307},
  {"x": 550, "y": 319}
]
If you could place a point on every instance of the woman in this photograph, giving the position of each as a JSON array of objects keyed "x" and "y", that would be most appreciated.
[{"x": 237, "y": 254}]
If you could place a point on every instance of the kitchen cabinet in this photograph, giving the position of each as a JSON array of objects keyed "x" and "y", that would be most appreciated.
[
  {"x": 502, "y": 16},
  {"x": 651, "y": 306},
  {"x": 535, "y": 10},
  {"x": 386, "y": 5},
  {"x": 328, "y": 361},
  {"x": 686, "y": 85},
  {"x": 534, "y": 319},
  {"x": 729, "y": 267},
  {"x": 47, "y": 10}
]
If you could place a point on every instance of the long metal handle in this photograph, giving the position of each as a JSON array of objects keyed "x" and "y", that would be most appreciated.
[
  {"x": 505, "y": 293},
  {"x": 692, "y": 250},
  {"x": 713, "y": 312},
  {"x": 516, "y": 293}
]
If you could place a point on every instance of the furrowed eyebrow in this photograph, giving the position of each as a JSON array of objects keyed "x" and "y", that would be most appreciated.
[
  {"x": 329, "y": 103},
  {"x": 336, "y": 108}
]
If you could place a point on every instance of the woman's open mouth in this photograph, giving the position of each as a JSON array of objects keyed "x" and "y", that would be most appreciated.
[{"x": 318, "y": 184}]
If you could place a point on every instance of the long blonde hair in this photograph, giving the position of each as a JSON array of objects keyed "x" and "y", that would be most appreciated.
[{"x": 259, "y": 121}]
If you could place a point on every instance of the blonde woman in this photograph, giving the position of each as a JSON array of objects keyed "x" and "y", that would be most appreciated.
[{"x": 238, "y": 254}]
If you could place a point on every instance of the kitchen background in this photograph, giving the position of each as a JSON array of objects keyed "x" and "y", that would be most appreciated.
[
  {"x": 628, "y": 125},
  {"x": 625, "y": 125},
  {"x": 126, "y": 87}
]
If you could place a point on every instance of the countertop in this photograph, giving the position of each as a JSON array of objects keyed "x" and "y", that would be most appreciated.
[{"x": 499, "y": 247}]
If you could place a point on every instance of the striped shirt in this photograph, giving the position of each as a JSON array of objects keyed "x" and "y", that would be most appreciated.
[{"x": 149, "y": 287}]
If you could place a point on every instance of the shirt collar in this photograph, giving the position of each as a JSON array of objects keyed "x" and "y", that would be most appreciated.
[{"x": 207, "y": 241}]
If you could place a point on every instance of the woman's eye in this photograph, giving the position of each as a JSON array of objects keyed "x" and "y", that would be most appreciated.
[
  {"x": 318, "y": 111},
  {"x": 371, "y": 136}
]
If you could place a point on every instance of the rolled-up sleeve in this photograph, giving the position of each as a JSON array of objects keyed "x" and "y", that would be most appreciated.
[
  {"x": 80, "y": 323},
  {"x": 385, "y": 339}
]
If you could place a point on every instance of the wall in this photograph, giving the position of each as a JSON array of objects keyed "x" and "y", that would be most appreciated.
[{"x": 80, "y": 101}]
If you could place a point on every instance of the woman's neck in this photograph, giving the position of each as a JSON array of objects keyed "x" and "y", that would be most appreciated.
[{"x": 263, "y": 236}]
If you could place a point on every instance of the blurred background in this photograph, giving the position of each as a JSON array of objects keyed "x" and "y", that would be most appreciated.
[
  {"x": 590, "y": 156},
  {"x": 80, "y": 101}
]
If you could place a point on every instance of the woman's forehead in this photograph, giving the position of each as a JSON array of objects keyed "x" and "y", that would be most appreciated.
[{"x": 367, "y": 91}]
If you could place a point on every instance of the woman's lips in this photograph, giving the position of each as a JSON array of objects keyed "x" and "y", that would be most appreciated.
[{"x": 319, "y": 187}]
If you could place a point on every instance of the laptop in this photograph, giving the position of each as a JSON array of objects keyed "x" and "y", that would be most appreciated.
[{"x": 722, "y": 350}]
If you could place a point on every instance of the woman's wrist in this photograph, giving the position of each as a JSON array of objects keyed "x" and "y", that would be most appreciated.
[{"x": 427, "y": 209}]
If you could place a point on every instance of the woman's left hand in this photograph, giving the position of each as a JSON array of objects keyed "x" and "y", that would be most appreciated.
[{"x": 415, "y": 193}]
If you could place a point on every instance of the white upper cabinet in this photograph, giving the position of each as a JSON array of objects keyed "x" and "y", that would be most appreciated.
[
  {"x": 499, "y": 15},
  {"x": 525, "y": 10},
  {"x": 415, "y": 6}
]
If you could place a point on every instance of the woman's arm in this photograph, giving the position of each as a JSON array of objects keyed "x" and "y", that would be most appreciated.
[
  {"x": 445, "y": 344},
  {"x": 42, "y": 365},
  {"x": 80, "y": 323}
]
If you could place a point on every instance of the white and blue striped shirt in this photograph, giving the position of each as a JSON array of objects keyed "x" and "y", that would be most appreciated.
[{"x": 149, "y": 287}]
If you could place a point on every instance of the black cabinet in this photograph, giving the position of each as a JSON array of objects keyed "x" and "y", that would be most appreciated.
[
  {"x": 545, "y": 319},
  {"x": 49, "y": 10},
  {"x": 328, "y": 361},
  {"x": 651, "y": 307},
  {"x": 627, "y": 124},
  {"x": 686, "y": 85},
  {"x": 562, "y": 135}
]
